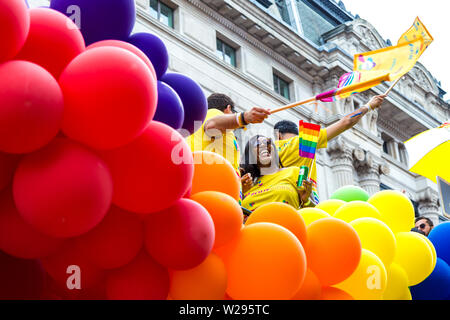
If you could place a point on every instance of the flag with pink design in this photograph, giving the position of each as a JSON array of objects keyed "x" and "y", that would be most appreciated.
[{"x": 386, "y": 64}]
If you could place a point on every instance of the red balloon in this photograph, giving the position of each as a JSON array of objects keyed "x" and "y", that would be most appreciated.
[
  {"x": 20, "y": 279},
  {"x": 127, "y": 46},
  {"x": 8, "y": 164},
  {"x": 142, "y": 279},
  {"x": 152, "y": 172},
  {"x": 115, "y": 241},
  {"x": 17, "y": 237},
  {"x": 14, "y": 27},
  {"x": 32, "y": 107},
  {"x": 70, "y": 266},
  {"x": 110, "y": 97},
  {"x": 180, "y": 237},
  {"x": 63, "y": 190},
  {"x": 55, "y": 291},
  {"x": 54, "y": 40}
]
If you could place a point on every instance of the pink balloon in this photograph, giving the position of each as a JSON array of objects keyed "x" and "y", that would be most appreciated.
[
  {"x": 54, "y": 40},
  {"x": 62, "y": 190},
  {"x": 152, "y": 172},
  {"x": 20, "y": 279},
  {"x": 110, "y": 97},
  {"x": 31, "y": 107},
  {"x": 17, "y": 237},
  {"x": 115, "y": 241},
  {"x": 127, "y": 46},
  {"x": 70, "y": 265},
  {"x": 8, "y": 164},
  {"x": 180, "y": 237},
  {"x": 14, "y": 27},
  {"x": 142, "y": 279}
]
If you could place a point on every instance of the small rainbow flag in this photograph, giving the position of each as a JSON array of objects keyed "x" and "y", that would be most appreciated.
[{"x": 309, "y": 138}]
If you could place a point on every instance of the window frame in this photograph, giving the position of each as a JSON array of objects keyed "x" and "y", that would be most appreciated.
[
  {"x": 171, "y": 21},
  {"x": 224, "y": 45},
  {"x": 277, "y": 78}
]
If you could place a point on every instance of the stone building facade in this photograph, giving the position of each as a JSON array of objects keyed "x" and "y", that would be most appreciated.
[{"x": 272, "y": 52}]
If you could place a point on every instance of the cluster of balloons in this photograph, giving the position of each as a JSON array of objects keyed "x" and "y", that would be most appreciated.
[{"x": 91, "y": 199}]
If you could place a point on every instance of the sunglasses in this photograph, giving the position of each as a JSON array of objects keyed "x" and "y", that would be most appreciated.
[{"x": 422, "y": 226}]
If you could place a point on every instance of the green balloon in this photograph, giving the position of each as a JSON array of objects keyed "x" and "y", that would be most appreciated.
[{"x": 350, "y": 193}]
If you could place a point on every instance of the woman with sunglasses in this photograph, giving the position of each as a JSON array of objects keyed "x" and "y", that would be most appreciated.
[{"x": 268, "y": 182}]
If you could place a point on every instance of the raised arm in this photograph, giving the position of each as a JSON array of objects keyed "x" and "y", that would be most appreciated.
[
  {"x": 233, "y": 121},
  {"x": 350, "y": 120}
]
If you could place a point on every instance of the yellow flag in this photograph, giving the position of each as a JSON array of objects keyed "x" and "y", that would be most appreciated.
[
  {"x": 396, "y": 60},
  {"x": 417, "y": 31}
]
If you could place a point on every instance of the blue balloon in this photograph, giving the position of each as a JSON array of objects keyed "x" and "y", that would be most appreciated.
[
  {"x": 155, "y": 50},
  {"x": 170, "y": 108},
  {"x": 440, "y": 237},
  {"x": 436, "y": 286},
  {"x": 100, "y": 19},
  {"x": 194, "y": 100}
]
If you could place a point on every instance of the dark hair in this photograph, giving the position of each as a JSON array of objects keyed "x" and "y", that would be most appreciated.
[
  {"x": 220, "y": 101},
  {"x": 286, "y": 126},
  {"x": 430, "y": 223},
  {"x": 249, "y": 162}
]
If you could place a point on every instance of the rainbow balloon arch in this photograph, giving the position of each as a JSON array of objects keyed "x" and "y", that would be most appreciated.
[{"x": 89, "y": 186}]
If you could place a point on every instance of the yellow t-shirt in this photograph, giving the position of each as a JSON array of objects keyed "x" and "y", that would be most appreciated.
[
  {"x": 288, "y": 151},
  {"x": 224, "y": 145},
  {"x": 277, "y": 187}
]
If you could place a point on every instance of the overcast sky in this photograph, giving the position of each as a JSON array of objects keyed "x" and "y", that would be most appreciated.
[{"x": 393, "y": 17}]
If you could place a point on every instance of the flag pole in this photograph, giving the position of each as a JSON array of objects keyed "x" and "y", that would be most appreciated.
[
  {"x": 311, "y": 169},
  {"x": 293, "y": 105},
  {"x": 392, "y": 86}
]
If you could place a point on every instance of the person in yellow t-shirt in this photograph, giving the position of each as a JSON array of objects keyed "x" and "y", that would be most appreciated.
[
  {"x": 271, "y": 183},
  {"x": 287, "y": 135},
  {"x": 216, "y": 134}
]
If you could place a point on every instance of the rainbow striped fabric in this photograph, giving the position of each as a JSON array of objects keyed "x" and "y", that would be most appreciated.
[{"x": 309, "y": 138}]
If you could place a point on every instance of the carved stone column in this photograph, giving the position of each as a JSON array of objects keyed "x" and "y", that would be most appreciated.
[
  {"x": 368, "y": 171},
  {"x": 341, "y": 162},
  {"x": 429, "y": 205}
]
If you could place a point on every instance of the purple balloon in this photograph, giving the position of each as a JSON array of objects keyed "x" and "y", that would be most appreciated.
[
  {"x": 154, "y": 48},
  {"x": 100, "y": 19},
  {"x": 194, "y": 100},
  {"x": 170, "y": 108}
]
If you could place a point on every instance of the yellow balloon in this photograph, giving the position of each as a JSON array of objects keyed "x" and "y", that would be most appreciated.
[
  {"x": 355, "y": 210},
  {"x": 414, "y": 255},
  {"x": 330, "y": 206},
  {"x": 368, "y": 281},
  {"x": 396, "y": 210},
  {"x": 311, "y": 215},
  {"x": 397, "y": 283},
  {"x": 406, "y": 295},
  {"x": 376, "y": 237},
  {"x": 432, "y": 248}
]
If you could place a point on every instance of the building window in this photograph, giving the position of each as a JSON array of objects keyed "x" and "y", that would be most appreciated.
[
  {"x": 162, "y": 12},
  {"x": 281, "y": 86},
  {"x": 226, "y": 52}
]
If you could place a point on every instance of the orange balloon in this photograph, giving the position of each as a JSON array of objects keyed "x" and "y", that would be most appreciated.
[
  {"x": 333, "y": 250},
  {"x": 207, "y": 281},
  {"x": 332, "y": 293},
  {"x": 225, "y": 251},
  {"x": 283, "y": 215},
  {"x": 268, "y": 263},
  {"x": 310, "y": 289},
  {"x": 225, "y": 212},
  {"x": 212, "y": 172}
]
